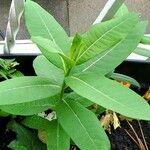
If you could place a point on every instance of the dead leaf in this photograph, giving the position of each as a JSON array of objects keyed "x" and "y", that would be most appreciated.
[
  {"x": 147, "y": 95},
  {"x": 116, "y": 122},
  {"x": 42, "y": 135}
]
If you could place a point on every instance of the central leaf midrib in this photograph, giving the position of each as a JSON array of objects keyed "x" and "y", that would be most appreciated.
[
  {"x": 45, "y": 26},
  {"x": 48, "y": 31},
  {"x": 109, "y": 51},
  {"x": 46, "y": 85},
  {"x": 102, "y": 37},
  {"x": 100, "y": 92}
]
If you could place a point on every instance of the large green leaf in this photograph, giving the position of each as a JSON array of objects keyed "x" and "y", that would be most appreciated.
[
  {"x": 26, "y": 89},
  {"x": 82, "y": 126},
  {"x": 25, "y": 139},
  {"x": 31, "y": 108},
  {"x": 103, "y": 36},
  {"x": 110, "y": 59},
  {"x": 50, "y": 50},
  {"x": 41, "y": 23},
  {"x": 44, "y": 68},
  {"x": 110, "y": 94},
  {"x": 57, "y": 139}
]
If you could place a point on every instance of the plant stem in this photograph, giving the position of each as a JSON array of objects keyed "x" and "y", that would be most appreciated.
[{"x": 64, "y": 85}]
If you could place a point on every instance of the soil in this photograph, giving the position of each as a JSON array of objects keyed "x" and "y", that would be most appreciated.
[{"x": 120, "y": 140}]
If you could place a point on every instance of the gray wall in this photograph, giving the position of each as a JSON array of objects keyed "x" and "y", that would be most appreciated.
[
  {"x": 58, "y": 8},
  {"x": 84, "y": 12},
  {"x": 73, "y": 15}
]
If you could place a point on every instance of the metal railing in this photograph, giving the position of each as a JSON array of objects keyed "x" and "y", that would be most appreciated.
[{"x": 15, "y": 13}]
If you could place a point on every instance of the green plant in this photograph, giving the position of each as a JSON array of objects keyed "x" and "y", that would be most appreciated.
[
  {"x": 7, "y": 69},
  {"x": 72, "y": 75},
  {"x": 145, "y": 39}
]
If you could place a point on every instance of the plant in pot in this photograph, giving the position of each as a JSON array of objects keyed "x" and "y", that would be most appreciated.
[{"x": 71, "y": 76}]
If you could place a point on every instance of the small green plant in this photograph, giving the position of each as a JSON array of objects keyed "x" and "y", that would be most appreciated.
[
  {"x": 8, "y": 70},
  {"x": 72, "y": 75}
]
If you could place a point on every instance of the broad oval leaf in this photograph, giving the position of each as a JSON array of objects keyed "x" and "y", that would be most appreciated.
[
  {"x": 31, "y": 108},
  {"x": 53, "y": 53},
  {"x": 44, "y": 68},
  {"x": 26, "y": 89},
  {"x": 41, "y": 23},
  {"x": 50, "y": 50},
  {"x": 82, "y": 126},
  {"x": 107, "y": 61},
  {"x": 103, "y": 36},
  {"x": 110, "y": 94}
]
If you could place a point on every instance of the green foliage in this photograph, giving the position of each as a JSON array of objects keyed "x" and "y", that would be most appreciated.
[
  {"x": 41, "y": 23},
  {"x": 26, "y": 89},
  {"x": 25, "y": 140},
  {"x": 46, "y": 69},
  {"x": 31, "y": 108},
  {"x": 142, "y": 51},
  {"x": 107, "y": 61},
  {"x": 56, "y": 137},
  {"x": 85, "y": 130},
  {"x": 122, "y": 11},
  {"x": 83, "y": 101},
  {"x": 124, "y": 78},
  {"x": 110, "y": 95},
  {"x": 71, "y": 78},
  {"x": 7, "y": 69},
  {"x": 104, "y": 36},
  {"x": 145, "y": 40},
  {"x": 36, "y": 122}
]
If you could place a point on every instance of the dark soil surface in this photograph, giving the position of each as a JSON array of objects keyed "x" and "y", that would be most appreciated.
[{"x": 120, "y": 140}]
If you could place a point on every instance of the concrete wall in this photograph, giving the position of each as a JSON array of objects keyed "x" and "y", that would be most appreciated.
[
  {"x": 73, "y": 15},
  {"x": 83, "y": 12},
  {"x": 58, "y": 8}
]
